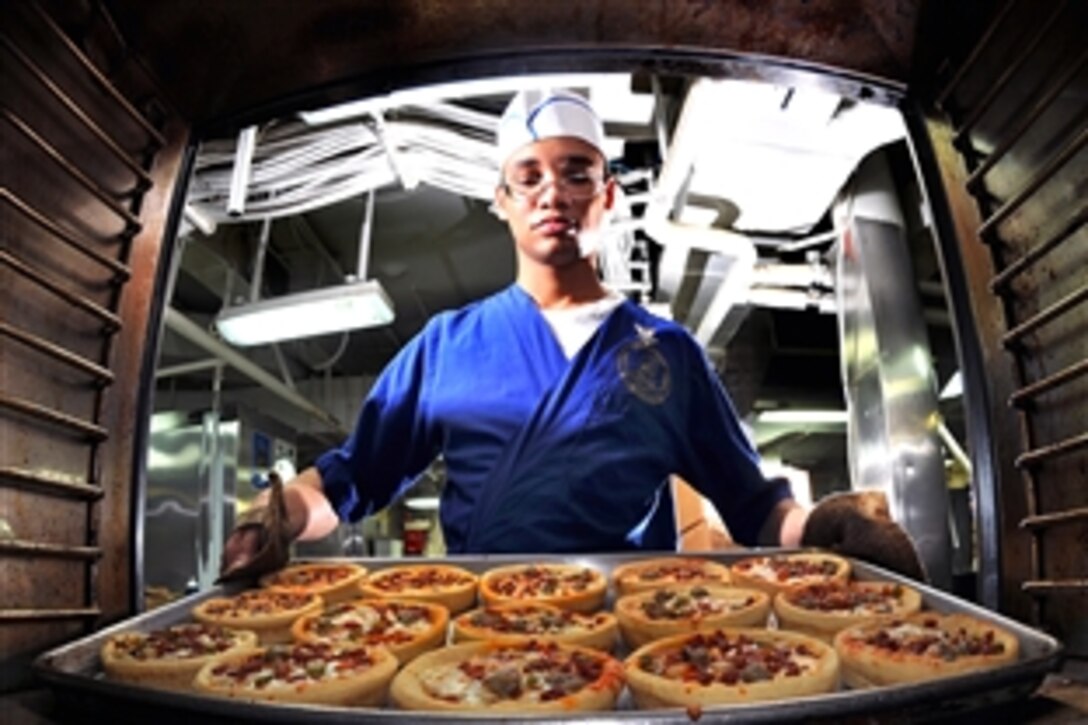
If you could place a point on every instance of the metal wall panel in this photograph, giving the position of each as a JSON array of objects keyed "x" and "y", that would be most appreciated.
[
  {"x": 1016, "y": 114},
  {"x": 179, "y": 537},
  {"x": 890, "y": 384},
  {"x": 80, "y": 241}
]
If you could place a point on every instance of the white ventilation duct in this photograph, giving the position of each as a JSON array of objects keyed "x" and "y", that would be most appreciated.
[{"x": 731, "y": 293}]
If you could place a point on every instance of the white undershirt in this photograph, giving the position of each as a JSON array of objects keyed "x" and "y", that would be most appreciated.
[{"x": 573, "y": 326}]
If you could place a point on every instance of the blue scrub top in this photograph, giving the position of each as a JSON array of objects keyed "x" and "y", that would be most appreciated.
[{"x": 546, "y": 454}]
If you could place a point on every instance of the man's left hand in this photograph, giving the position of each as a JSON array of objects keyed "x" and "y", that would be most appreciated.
[{"x": 857, "y": 524}]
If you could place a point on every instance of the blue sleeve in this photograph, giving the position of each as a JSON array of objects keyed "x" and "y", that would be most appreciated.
[
  {"x": 390, "y": 444},
  {"x": 720, "y": 462}
]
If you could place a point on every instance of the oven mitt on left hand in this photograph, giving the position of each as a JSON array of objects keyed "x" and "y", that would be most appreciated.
[
  {"x": 260, "y": 540},
  {"x": 857, "y": 524}
]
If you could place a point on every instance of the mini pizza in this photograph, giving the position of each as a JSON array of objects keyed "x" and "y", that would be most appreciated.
[
  {"x": 568, "y": 586},
  {"x": 778, "y": 572},
  {"x": 170, "y": 658},
  {"x": 513, "y": 678},
  {"x": 407, "y": 628},
  {"x": 821, "y": 610},
  {"x": 922, "y": 646},
  {"x": 730, "y": 667},
  {"x": 650, "y": 615},
  {"x": 638, "y": 576},
  {"x": 535, "y": 620},
  {"x": 268, "y": 613},
  {"x": 451, "y": 586},
  {"x": 310, "y": 673},
  {"x": 333, "y": 581}
]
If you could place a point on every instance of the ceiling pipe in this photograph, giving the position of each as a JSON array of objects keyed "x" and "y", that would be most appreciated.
[
  {"x": 197, "y": 366},
  {"x": 186, "y": 328},
  {"x": 243, "y": 166},
  {"x": 669, "y": 194},
  {"x": 732, "y": 292}
]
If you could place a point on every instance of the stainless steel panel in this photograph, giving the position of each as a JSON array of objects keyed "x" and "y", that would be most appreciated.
[
  {"x": 191, "y": 471},
  {"x": 202, "y": 471},
  {"x": 74, "y": 671},
  {"x": 888, "y": 371}
]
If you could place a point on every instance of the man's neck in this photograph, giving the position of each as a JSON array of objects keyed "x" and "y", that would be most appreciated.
[{"x": 569, "y": 286}]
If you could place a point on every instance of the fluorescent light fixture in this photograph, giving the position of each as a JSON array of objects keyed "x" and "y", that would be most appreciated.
[
  {"x": 422, "y": 503},
  {"x": 322, "y": 311},
  {"x": 802, "y": 416}
]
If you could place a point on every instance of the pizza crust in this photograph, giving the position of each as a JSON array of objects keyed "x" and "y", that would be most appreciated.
[
  {"x": 753, "y": 572},
  {"x": 408, "y": 691},
  {"x": 599, "y": 632},
  {"x": 639, "y": 628},
  {"x": 588, "y": 599},
  {"x": 652, "y": 691},
  {"x": 423, "y": 640},
  {"x": 341, "y": 589},
  {"x": 163, "y": 672},
  {"x": 640, "y": 576},
  {"x": 271, "y": 627},
  {"x": 825, "y": 623},
  {"x": 367, "y": 687},
  {"x": 455, "y": 597},
  {"x": 865, "y": 664}
]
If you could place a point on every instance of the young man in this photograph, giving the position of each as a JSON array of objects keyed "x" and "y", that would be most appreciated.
[{"x": 561, "y": 407}]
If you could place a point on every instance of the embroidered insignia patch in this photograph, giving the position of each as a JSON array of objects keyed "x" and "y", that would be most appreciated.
[{"x": 643, "y": 369}]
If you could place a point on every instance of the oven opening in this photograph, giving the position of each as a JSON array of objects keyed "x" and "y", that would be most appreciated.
[{"x": 772, "y": 211}]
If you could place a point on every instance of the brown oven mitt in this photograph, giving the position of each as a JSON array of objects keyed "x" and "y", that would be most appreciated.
[
  {"x": 858, "y": 524},
  {"x": 260, "y": 540}
]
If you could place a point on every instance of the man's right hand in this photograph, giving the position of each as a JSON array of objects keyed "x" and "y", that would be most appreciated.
[{"x": 260, "y": 541}]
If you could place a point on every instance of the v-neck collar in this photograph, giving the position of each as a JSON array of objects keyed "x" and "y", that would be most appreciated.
[{"x": 542, "y": 329}]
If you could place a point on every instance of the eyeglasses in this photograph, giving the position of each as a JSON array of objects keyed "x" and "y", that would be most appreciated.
[{"x": 577, "y": 185}]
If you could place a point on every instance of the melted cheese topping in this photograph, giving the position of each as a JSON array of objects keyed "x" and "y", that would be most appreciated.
[
  {"x": 310, "y": 575},
  {"x": 258, "y": 602},
  {"x": 423, "y": 578},
  {"x": 184, "y": 641},
  {"x": 371, "y": 623},
  {"x": 848, "y": 599},
  {"x": 929, "y": 639},
  {"x": 292, "y": 665},
  {"x": 533, "y": 620},
  {"x": 719, "y": 658},
  {"x": 788, "y": 569},
  {"x": 679, "y": 572},
  {"x": 537, "y": 672},
  {"x": 543, "y": 581},
  {"x": 692, "y": 603}
]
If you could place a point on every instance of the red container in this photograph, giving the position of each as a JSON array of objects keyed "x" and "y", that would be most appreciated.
[{"x": 415, "y": 537}]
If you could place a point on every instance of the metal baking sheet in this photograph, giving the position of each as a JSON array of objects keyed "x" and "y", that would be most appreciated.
[{"x": 74, "y": 672}]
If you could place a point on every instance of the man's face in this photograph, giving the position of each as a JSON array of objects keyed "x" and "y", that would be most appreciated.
[{"x": 553, "y": 190}]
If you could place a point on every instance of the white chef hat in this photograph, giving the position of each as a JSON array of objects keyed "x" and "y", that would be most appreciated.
[{"x": 536, "y": 114}]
